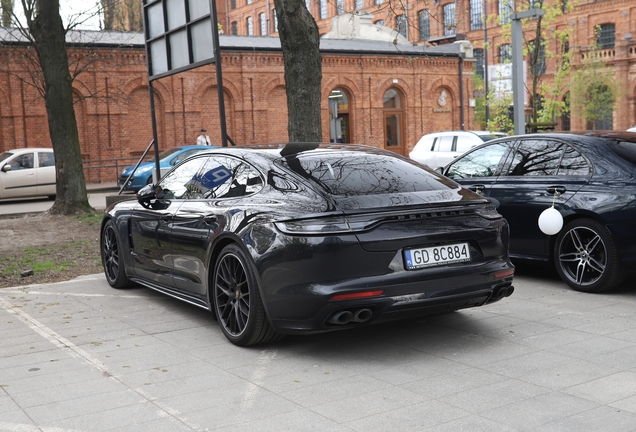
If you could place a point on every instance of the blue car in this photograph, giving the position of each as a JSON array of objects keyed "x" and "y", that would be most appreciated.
[{"x": 167, "y": 160}]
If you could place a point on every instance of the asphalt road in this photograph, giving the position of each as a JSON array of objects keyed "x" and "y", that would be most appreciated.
[{"x": 81, "y": 356}]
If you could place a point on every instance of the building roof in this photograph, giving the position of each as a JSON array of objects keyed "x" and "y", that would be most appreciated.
[{"x": 113, "y": 39}]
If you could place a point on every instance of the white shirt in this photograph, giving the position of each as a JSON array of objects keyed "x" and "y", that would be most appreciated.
[{"x": 203, "y": 140}]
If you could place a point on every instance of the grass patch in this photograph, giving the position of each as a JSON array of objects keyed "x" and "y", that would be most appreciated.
[{"x": 92, "y": 219}]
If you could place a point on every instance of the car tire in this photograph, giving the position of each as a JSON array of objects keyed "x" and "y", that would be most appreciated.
[
  {"x": 112, "y": 259},
  {"x": 237, "y": 300},
  {"x": 586, "y": 257}
]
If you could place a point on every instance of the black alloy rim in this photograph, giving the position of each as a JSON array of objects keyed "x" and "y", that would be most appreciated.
[
  {"x": 583, "y": 256},
  {"x": 232, "y": 295},
  {"x": 110, "y": 249}
]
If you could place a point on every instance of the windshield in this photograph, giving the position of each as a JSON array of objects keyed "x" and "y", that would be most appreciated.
[
  {"x": 5, "y": 156},
  {"x": 624, "y": 149}
]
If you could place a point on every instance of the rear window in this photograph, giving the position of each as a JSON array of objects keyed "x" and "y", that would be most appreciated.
[
  {"x": 351, "y": 174},
  {"x": 624, "y": 149}
]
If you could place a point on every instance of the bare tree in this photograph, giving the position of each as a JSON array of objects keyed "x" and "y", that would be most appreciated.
[
  {"x": 48, "y": 35},
  {"x": 300, "y": 43}
]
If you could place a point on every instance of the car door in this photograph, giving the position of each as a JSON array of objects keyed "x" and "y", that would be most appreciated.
[
  {"x": 222, "y": 186},
  {"x": 19, "y": 180},
  {"x": 443, "y": 151},
  {"x": 45, "y": 173},
  {"x": 539, "y": 172},
  {"x": 478, "y": 169},
  {"x": 151, "y": 225}
]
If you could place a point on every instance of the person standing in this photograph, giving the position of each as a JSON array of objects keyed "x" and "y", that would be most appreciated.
[{"x": 203, "y": 139}]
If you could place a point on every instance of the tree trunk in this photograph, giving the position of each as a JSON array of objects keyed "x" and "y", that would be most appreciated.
[
  {"x": 49, "y": 39},
  {"x": 300, "y": 42}
]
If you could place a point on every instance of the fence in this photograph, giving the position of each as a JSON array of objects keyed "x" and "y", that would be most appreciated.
[{"x": 106, "y": 170}]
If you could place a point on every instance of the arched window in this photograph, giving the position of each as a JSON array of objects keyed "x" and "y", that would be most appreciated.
[
  {"x": 393, "y": 121},
  {"x": 339, "y": 120}
]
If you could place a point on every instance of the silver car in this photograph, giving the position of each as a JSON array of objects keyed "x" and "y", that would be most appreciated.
[{"x": 27, "y": 172}]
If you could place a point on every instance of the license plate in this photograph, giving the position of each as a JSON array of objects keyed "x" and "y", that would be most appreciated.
[{"x": 436, "y": 255}]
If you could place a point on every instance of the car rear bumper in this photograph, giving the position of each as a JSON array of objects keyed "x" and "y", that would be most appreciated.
[{"x": 404, "y": 296}]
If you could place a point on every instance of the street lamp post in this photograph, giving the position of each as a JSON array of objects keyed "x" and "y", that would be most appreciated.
[{"x": 517, "y": 67}]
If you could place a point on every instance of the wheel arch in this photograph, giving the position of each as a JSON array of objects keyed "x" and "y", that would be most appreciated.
[{"x": 569, "y": 217}]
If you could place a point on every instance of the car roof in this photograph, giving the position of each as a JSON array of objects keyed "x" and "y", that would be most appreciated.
[{"x": 26, "y": 150}]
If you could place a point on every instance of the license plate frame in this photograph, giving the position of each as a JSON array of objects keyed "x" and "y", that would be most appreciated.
[{"x": 433, "y": 256}]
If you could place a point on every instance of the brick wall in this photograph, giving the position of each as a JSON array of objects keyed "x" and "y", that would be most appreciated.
[{"x": 113, "y": 109}]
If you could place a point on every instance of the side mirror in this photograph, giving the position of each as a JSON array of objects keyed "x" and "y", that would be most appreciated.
[
  {"x": 146, "y": 194},
  {"x": 6, "y": 168}
]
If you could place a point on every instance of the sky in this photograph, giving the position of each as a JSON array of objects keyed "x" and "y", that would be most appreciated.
[{"x": 81, "y": 11}]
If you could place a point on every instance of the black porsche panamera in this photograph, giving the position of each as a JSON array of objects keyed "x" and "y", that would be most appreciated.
[{"x": 308, "y": 238}]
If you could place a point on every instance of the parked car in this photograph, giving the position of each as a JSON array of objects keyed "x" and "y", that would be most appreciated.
[
  {"x": 437, "y": 149},
  {"x": 27, "y": 172},
  {"x": 590, "y": 178},
  {"x": 308, "y": 238},
  {"x": 167, "y": 159}
]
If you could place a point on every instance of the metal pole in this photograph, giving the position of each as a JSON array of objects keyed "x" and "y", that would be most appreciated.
[
  {"x": 486, "y": 63},
  {"x": 219, "y": 77},
  {"x": 151, "y": 92},
  {"x": 518, "y": 89}
]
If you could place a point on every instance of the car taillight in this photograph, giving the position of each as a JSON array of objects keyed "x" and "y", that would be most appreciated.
[{"x": 327, "y": 225}]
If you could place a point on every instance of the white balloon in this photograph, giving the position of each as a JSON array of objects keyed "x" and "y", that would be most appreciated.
[{"x": 550, "y": 221}]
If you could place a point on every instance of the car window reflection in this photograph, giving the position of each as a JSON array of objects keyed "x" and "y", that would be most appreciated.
[{"x": 482, "y": 162}]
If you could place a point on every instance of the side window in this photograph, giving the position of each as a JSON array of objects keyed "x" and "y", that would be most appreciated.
[
  {"x": 46, "y": 159},
  {"x": 444, "y": 143},
  {"x": 536, "y": 158},
  {"x": 573, "y": 164},
  {"x": 180, "y": 183},
  {"x": 482, "y": 162},
  {"x": 24, "y": 161},
  {"x": 226, "y": 177}
]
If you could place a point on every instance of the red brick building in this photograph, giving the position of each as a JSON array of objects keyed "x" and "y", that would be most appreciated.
[
  {"x": 432, "y": 22},
  {"x": 387, "y": 97}
]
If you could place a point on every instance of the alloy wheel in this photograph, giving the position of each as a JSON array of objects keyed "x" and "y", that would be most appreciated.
[
  {"x": 232, "y": 295},
  {"x": 110, "y": 253},
  {"x": 583, "y": 256}
]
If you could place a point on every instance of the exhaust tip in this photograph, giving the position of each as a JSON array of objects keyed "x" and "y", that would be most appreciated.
[
  {"x": 511, "y": 289},
  {"x": 362, "y": 315},
  {"x": 341, "y": 318}
]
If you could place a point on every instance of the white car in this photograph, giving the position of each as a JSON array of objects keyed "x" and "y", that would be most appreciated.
[
  {"x": 27, "y": 172},
  {"x": 439, "y": 148}
]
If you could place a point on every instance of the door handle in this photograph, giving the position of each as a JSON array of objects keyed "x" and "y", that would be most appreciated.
[
  {"x": 478, "y": 188},
  {"x": 556, "y": 190}
]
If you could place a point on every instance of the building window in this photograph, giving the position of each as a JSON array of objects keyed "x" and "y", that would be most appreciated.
[
  {"x": 250, "y": 26},
  {"x": 537, "y": 60},
  {"x": 449, "y": 19},
  {"x": 378, "y": 1},
  {"x": 400, "y": 25},
  {"x": 275, "y": 20},
  {"x": 339, "y": 7},
  {"x": 478, "y": 53},
  {"x": 565, "y": 117},
  {"x": 323, "y": 9},
  {"x": 505, "y": 53},
  {"x": 359, "y": 4},
  {"x": 249, "y": 2},
  {"x": 339, "y": 123},
  {"x": 393, "y": 117},
  {"x": 505, "y": 11},
  {"x": 476, "y": 11},
  {"x": 232, "y": 4},
  {"x": 263, "y": 23},
  {"x": 606, "y": 36},
  {"x": 564, "y": 9},
  {"x": 308, "y": 4},
  {"x": 234, "y": 28},
  {"x": 424, "y": 21}
]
